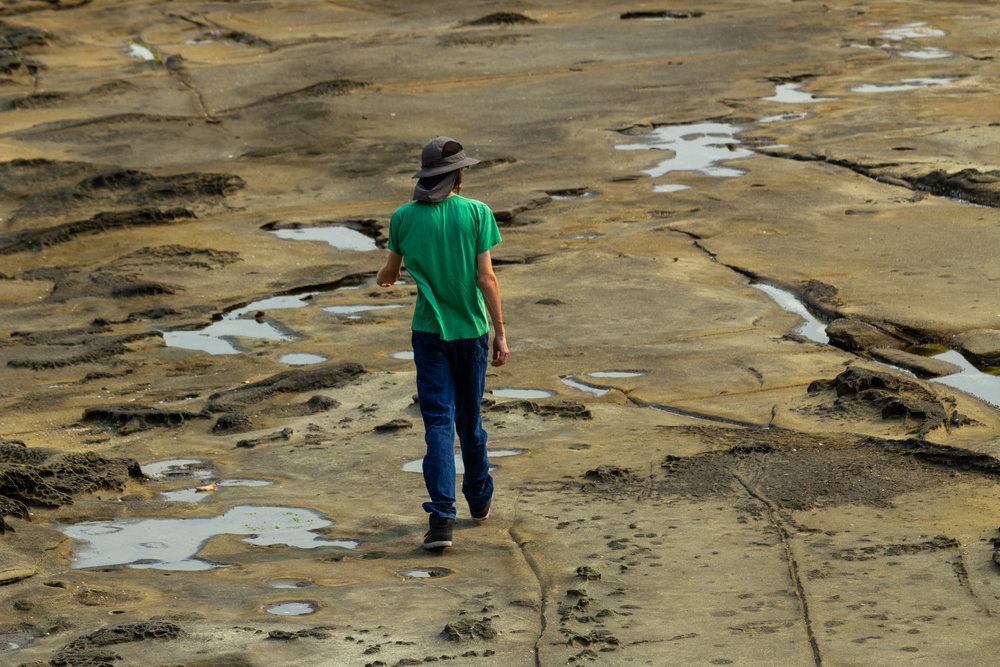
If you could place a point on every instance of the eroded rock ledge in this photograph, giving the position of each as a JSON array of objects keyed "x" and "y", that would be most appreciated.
[
  {"x": 41, "y": 477},
  {"x": 862, "y": 392}
]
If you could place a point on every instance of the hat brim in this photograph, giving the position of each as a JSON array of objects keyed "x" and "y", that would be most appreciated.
[{"x": 444, "y": 169}]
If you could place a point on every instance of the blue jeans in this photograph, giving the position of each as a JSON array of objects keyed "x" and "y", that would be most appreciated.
[{"x": 451, "y": 377}]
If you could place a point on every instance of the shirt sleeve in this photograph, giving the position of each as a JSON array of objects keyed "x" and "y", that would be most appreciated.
[
  {"x": 489, "y": 233},
  {"x": 393, "y": 243}
]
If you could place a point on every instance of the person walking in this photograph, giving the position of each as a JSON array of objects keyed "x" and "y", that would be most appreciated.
[{"x": 445, "y": 241}]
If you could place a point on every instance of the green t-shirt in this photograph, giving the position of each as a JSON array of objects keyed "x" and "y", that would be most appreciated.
[{"x": 439, "y": 242}]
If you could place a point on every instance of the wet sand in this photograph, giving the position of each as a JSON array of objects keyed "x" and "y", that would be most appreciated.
[{"x": 224, "y": 408}]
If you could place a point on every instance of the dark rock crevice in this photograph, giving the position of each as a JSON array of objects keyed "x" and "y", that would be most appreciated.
[
  {"x": 501, "y": 19},
  {"x": 332, "y": 88},
  {"x": 37, "y": 239},
  {"x": 662, "y": 14},
  {"x": 88, "y": 349},
  {"x": 131, "y": 417},
  {"x": 967, "y": 185},
  {"x": 128, "y": 188}
]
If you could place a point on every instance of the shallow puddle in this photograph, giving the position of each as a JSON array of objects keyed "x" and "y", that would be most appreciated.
[
  {"x": 904, "y": 84},
  {"x": 301, "y": 358},
  {"x": 598, "y": 390},
  {"x": 288, "y": 582},
  {"x": 424, "y": 572},
  {"x": 570, "y": 194},
  {"x": 789, "y": 93},
  {"x": 193, "y": 495},
  {"x": 353, "y": 312},
  {"x": 583, "y": 236},
  {"x": 177, "y": 469},
  {"x": 417, "y": 465},
  {"x": 521, "y": 392},
  {"x": 292, "y": 608},
  {"x": 249, "y": 322},
  {"x": 912, "y": 31},
  {"x": 616, "y": 374},
  {"x": 810, "y": 327},
  {"x": 341, "y": 238},
  {"x": 971, "y": 380},
  {"x": 14, "y": 637},
  {"x": 670, "y": 187},
  {"x": 173, "y": 544},
  {"x": 238, "y": 323},
  {"x": 579, "y": 385},
  {"x": 140, "y": 50},
  {"x": 927, "y": 53},
  {"x": 700, "y": 147},
  {"x": 783, "y": 117}
]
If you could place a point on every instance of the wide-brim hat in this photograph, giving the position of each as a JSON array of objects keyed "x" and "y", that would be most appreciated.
[{"x": 441, "y": 155}]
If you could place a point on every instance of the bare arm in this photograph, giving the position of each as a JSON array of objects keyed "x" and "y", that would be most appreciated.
[
  {"x": 389, "y": 273},
  {"x": 490, "y": 287}
]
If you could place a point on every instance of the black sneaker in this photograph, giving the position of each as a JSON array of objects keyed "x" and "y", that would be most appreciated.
[
  {"x": 481, "y": 512},
  {"x": 439, "y": 535}
]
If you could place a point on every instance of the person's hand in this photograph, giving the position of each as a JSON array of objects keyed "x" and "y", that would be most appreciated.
[
  {"x": 389, "y": 273},
  {"x": 500, "y": 351}
]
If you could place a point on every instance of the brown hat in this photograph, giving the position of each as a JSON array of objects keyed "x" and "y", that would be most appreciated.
[{"x": 441, "y": 155}]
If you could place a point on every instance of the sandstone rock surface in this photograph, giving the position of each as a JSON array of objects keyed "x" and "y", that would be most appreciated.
[{"x": 203, "y": 384}]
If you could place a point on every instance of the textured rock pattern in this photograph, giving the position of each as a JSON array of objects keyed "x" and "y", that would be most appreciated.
[{"x": 682, "y": 497}]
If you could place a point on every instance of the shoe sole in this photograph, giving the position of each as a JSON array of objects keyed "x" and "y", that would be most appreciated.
[
  {"x": 440, "y": 544},
  {"x": 481, "y": 518}
]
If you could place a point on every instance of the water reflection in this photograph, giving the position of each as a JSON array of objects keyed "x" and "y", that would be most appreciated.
[
  {"x": 912, "y": 31},
  {"x": 288, "y": 583},
  {"x": 789, "y": 93},
  {"x": 904, "y": 84},
  {"x": 699, "y": 147},
  {"x": 173, "y": 544},
  {"x": 810, "y": 327},
  {"x": 177, "y": 469},
  {"x": 787, "y": 117},
  {"x": 140, "y": 50},
  {"x": 353, "y": 312},
  {"x": 417, "y": 465},
  {"x": 301, "y": 358},
  {"x": 194, "y": 495},
  {"x": 239, "y": 322},
  {"x": 292, "y": 608},
  {"x": 424, "y": 572},
  {"x": 927, "y": 53},
  {"x": 971, "y": 380},
  {"x": 616, "y": 374},
  {"x": 342, "y": 238},
  {"x": 521, "y": 392},
  {"x": 571, "y": 381}
]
